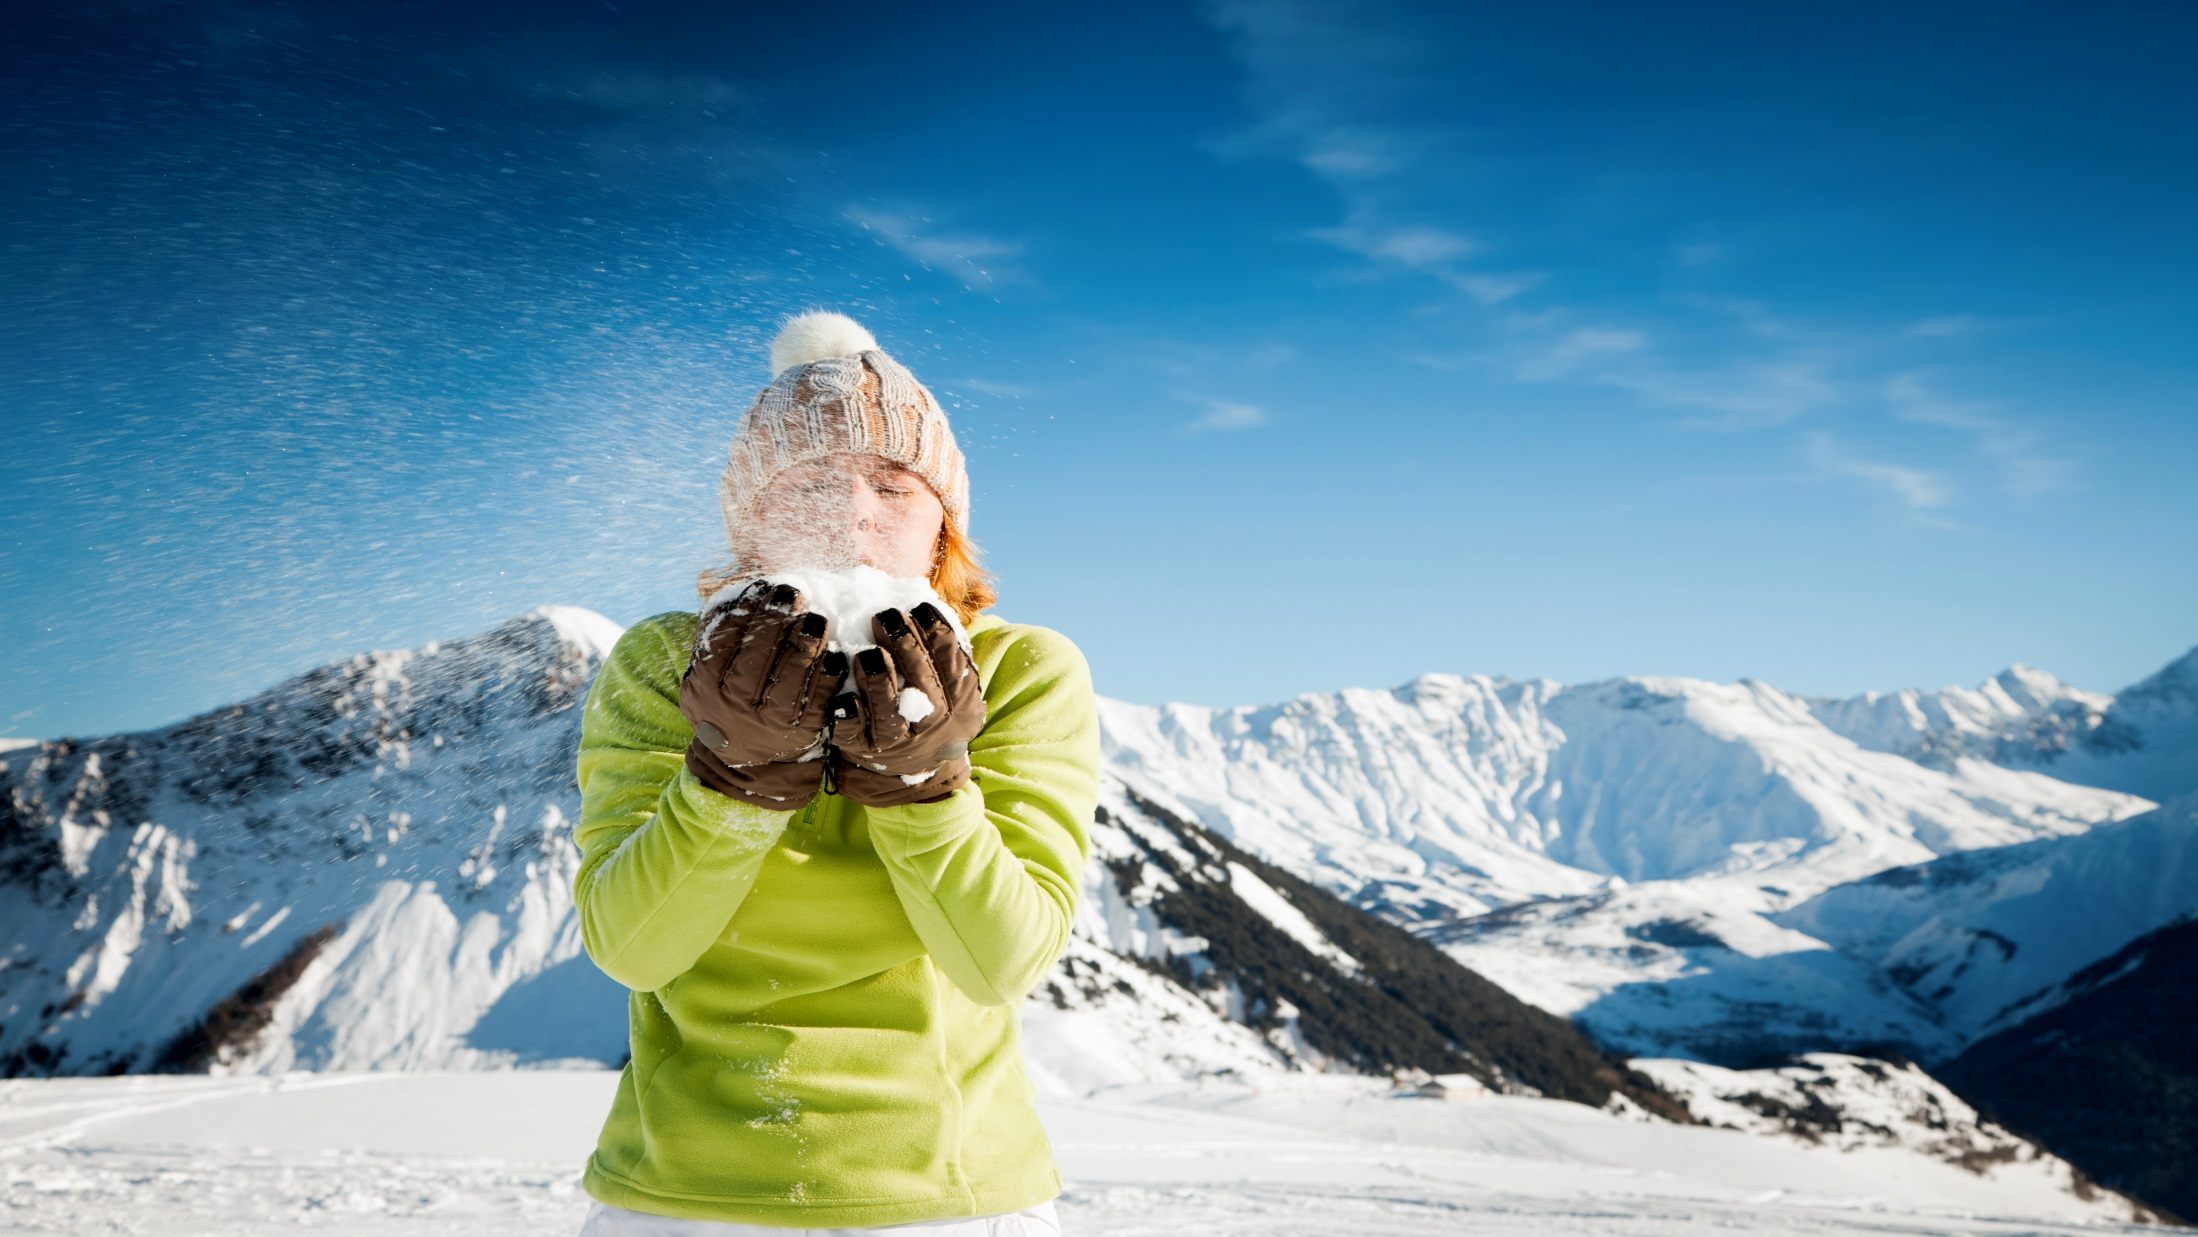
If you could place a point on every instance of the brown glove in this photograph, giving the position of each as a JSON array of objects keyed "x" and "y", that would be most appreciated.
[
  {"x": 782, "y": 786},
  {"x": 757, "y": 693},
  {"x": 901, "y": 732}
]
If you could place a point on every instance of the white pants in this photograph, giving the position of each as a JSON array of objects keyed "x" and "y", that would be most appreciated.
[{"x": 607, "y": 1221}]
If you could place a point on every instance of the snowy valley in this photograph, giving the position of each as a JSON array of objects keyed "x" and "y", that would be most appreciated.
[{"x": 1758, "y": 908}]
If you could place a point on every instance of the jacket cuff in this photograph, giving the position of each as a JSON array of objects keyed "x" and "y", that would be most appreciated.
[{"x": 692, "y": 801}]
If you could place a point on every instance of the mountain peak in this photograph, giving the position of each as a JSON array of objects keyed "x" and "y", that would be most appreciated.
[
  {"x": 590, "y": 632},
  {"x": 2032, "y": 689},
  {"x": 2173, "y": 689}
]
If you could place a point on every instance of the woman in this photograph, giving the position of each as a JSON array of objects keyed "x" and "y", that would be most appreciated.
[{"x": 829, "y": 879}]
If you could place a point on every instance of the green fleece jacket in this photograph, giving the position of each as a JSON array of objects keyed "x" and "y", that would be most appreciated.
[{"x": 824, "y": 1007}]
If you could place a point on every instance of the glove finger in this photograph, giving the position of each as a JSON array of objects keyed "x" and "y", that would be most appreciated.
[
  {"x": 784, "y": 693},
  {"x": 849, "y": 726},
  {"x": 956, "y": 674},
  {"x": 900, "y": 642},
  {"x": 824, "y": 684},
  {"x": 749, "y": 672},
  {"x": 884, "y": 726},
  {"x": 717, "y": 638}
]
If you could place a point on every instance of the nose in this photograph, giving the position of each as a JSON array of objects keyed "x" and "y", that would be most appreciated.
[{"x": 863, "y": 507}]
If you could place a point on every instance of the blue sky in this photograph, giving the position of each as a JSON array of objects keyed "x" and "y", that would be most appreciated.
[{"x": 1294, "y": 346}]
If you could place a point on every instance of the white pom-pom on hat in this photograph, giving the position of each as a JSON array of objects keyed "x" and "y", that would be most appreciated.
[{"x": 816, "y": 335}]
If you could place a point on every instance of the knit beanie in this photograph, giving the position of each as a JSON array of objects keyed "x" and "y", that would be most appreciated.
[{"x": 835, "y": 391}]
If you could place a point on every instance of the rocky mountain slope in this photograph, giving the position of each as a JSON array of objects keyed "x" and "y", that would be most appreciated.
[
  {"x": 1327, "y": 983},
  {"x": 1857, "y": 1104},
  {"x": 347, "y": 871},
  {"x": 2108, "y": 1074}
]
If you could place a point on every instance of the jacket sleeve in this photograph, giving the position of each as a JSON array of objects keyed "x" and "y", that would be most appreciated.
[
  {"x": 989, "y": 876},
  {"x": 664, "y": 860}
]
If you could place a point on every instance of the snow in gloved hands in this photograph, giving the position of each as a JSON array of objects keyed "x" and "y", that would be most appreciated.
[{"x": 848, "y": 599}]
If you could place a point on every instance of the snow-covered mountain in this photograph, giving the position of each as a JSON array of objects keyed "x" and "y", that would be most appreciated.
[
  {"x": 1696, "y": 968},
  {"x": 1986, "y": 938},
  {"x": 1921, "y": 958},
  {"x": 369, "y": 867},
  {"x": 2021, "y": 717},
  {"x": 1627, "y": 853},
  {"x": 1329, "y": 985},
  {"x": 1450, "y": 797},
  {"x": 1656, "y": 857},
  {"x": 2143, "y": 740},
  {"x": 1613, "y": 852}
]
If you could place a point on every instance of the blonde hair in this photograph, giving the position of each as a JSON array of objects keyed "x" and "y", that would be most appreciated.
[{"x": 957, "y": 575}]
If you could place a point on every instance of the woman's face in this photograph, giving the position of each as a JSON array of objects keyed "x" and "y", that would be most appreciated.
[{"x": 839, "y": 511}]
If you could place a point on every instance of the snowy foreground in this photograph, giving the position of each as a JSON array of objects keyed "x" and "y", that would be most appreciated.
[{"x": 500, "y": 1152}]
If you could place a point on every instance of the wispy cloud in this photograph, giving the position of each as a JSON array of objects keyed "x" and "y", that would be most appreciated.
[
  {"x": 1416, "y": 247},
  {"x": 978, "y": 262},
  {"x": 1729, "y": 394},
  {"x": 1493, "y": 289},
  {"x": 1344, "y": 155},
  {"x": 1739, "y": 395},
  {"x": 1223, "y": 415},
  {"x": 1424, "y": 249},
  {"x": 1576, "y": 350},
  {"x": 1917, "y": 488},
  {"x": 1951, "y": 326},
  {"x": 1343, "y": 89},
  {"x": 1320, "y": 76},
  {"x": 2028, "y": 467}
]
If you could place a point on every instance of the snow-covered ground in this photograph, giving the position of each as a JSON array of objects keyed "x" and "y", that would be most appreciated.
[{"x": 500, "y": 1152}]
